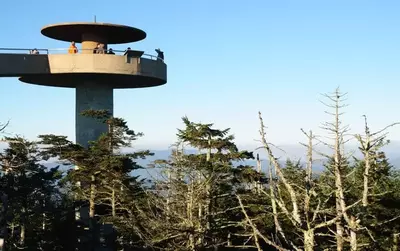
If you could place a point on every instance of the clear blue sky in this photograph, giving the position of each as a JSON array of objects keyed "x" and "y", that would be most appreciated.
[{"x": 226, "y": 61}]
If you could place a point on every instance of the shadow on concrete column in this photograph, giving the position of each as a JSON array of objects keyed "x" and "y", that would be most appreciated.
[{"x": 91, "y": 95}]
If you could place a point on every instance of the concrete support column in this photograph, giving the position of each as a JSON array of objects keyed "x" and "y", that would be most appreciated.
[
  {"x": 91, "y": 95},
  {"x": 90, "y": 41}
]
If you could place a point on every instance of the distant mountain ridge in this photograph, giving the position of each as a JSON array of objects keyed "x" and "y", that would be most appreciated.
[{"x": 292, "y": 152}]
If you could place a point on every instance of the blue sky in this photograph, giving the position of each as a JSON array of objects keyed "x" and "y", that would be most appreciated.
[{"x": 226, "y": 61}]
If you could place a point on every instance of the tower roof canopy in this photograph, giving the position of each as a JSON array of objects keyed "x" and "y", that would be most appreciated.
[{"x": 113, "y": 33}]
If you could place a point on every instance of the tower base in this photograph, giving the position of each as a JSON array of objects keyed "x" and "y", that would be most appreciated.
[{"x": 92, "y": 95}]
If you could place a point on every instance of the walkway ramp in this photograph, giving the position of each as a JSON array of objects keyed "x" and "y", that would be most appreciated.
[{"x": 16, "y": 65}]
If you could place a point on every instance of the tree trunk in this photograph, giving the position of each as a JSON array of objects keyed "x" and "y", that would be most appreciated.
[
  {"x": 309, "y": 233},
  {"x": 22, "y": 228},
  {"x": 278, "y": 228},
  {"x": 94, "y": 227},
  {"x": 44, "y": 216},
  {"x": 366, "y": 176},
  {"x": 353, "y": 240},
  {"x": 3, "y": 222},
  {"x": 339, "y": 227},
  {"x": 308, "y": 183},
  {"x": 113, "y": 202},
  {"x": 200, "y": 214},
  {"x": 92, "y": 198},
  {"x": 209, "y": 149},
  {"x": 189, "y": 214},
  {"x": 22, "y": 236},
  {"x": 339, "y": 197},
  {"x": 208, "y": 207},
  {"x": 308, "y": 240},
  {"x": 168, "y": 193},
  {"x": 353, "y": 234},
  {"x": 258, "y": 183},
  {"x": 395, "y": 242},
  {"x": 338, "y": 182},
  {"x": 111, "y": 136},
  {"x": 23, "y": 223},
  {"x": 201, "y": 204},
  {"x": 192, "y": 244}
]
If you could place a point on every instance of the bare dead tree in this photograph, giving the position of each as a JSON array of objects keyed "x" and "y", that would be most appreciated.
[
  {"x": 303, "y": 216},
  {"x": 338, "y": 134},
  {"x": 305, "y": 220},
  {"x": 306, "y": 217},
  {"x": 370, "y": 143}
]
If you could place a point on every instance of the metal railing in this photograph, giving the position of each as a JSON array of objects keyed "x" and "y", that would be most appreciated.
[
  {"x": 65, "y": 51},
  {"x": 25, "y": 50}
]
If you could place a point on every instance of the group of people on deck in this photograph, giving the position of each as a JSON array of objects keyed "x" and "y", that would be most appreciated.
[
  {"x": 34, "y": 51},
  {"x": 100, "y": 49}
]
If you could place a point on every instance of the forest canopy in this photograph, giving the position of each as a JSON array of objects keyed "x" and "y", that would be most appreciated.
[{"x": 204, "y": 200}]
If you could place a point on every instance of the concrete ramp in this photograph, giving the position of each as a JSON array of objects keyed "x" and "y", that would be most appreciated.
[{"x": 16, "y": 65}]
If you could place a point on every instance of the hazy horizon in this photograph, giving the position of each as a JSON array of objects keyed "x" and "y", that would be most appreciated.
[{"x": 292, "y": 151}]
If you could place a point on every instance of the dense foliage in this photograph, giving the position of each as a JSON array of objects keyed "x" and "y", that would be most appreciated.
[{"x": 207, "y": 199}]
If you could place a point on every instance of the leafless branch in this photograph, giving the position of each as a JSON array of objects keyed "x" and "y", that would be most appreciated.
[{"x": 256, "y": 232}]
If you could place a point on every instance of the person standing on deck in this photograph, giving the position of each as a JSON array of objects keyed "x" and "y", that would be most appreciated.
[
  {"x": 72, "y": 48},
  {"x": 100, "y": 49},
  {"x": 96, "y": 48},
  {"x": 110, "y": 51},
  {"x": 160, "y": 54}
]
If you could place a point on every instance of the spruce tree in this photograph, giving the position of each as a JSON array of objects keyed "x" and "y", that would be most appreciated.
[
  {"x": 190, "y": 206},
  {"x": 102, "y": 173},
  {"x": 32, "y": 197}
]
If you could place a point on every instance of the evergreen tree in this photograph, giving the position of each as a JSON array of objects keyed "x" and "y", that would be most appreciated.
[
  {"x": 32, "y": 197},
  {"x": 190, "y": 205},
  {"x": 101, "y": 177}
]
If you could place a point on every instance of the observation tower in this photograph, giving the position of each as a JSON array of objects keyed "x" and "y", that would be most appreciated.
[{"x": 93, "y": 75}]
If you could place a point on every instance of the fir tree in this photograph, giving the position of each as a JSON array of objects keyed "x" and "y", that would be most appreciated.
[
  {"x": 32, "y": 197},
  {"x": 101, "y": 176}
]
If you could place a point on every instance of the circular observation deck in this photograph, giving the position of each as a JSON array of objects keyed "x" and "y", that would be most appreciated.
[
  {"x": 109, "y": 33},
  {"x": 114, "y": 70}
]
